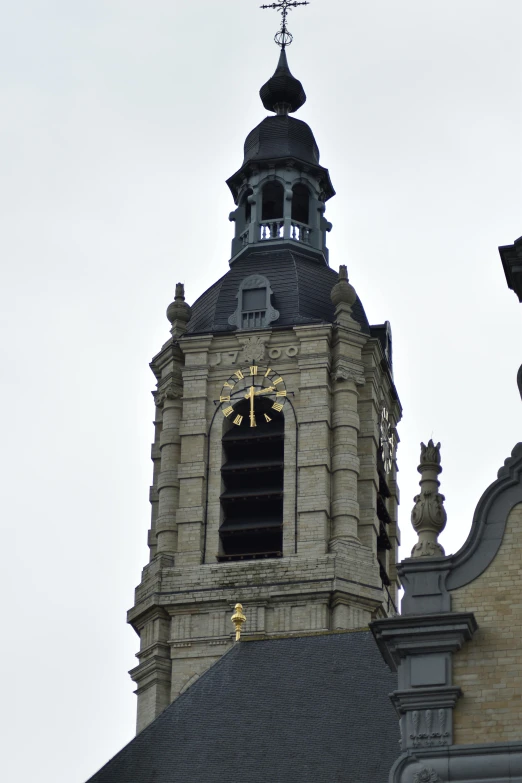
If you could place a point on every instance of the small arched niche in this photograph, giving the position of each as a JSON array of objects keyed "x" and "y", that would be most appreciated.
[{"x": 301, "y": 203}]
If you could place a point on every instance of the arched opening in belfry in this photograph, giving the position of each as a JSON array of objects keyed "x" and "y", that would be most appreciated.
[
  {"x": 301, "y": 203},
  {"x": 273, "y": 201},
  {"x": 247, "y": 206},
  {"x": 252, "y": 483}
]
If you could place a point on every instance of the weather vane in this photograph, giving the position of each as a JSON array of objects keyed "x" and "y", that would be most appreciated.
[{"x": 284, "y": 37}]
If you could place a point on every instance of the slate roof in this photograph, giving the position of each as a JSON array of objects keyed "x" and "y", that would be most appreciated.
[
  {"x": 281, "y": 137},
  {"x": 310, "y": 709},
  {"x": 301, "y": 284}
]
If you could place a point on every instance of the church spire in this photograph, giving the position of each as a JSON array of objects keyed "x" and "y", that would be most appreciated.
[{"x": 281, "y": 189}]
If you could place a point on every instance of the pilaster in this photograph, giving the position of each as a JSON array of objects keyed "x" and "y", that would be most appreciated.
[
  {"x": 347, "y": 378},
  {"x": 420, "y": 648},
  {"x": 313, "y": 461},
  {"x": 192, "y": 468},
  {"x": 153, "y": 673},
  {"x": 167, "y": 486}
]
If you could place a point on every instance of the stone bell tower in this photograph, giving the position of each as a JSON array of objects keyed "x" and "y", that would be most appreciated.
[{"x": 275, "y": 432}]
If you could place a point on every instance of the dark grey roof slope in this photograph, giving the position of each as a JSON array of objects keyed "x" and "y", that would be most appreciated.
[
  {"x": 301, "y": 286},
  {"x": 309, "y": 709}
]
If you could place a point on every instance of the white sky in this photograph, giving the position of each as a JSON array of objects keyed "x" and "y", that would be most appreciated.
[{"x": 120, "y": 122}]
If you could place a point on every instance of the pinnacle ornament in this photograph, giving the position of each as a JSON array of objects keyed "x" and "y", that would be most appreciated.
[{"x": 429, "y": 515}]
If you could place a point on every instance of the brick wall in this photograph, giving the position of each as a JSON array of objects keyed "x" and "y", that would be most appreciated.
[{"x": 489, "y": 668}]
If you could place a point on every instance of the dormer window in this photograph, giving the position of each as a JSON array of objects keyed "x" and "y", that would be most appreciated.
[
  {"x": 254, "y": 310},
  {"x": 254, "y": 307}
]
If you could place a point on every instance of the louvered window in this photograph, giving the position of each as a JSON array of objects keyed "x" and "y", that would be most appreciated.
[
  {"x": 253, "y": 310},
  {"x": 252, "y": 484}
]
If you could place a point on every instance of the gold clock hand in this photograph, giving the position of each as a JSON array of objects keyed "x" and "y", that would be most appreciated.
[
  {"x": 252, "y": 415},
  {"x": 267, "y": 390}
]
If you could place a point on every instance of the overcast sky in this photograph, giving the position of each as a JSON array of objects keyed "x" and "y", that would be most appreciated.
[{"x": 120, "y": 121}]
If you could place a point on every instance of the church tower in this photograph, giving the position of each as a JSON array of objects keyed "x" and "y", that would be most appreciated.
[{"x": 275, "y": 431}]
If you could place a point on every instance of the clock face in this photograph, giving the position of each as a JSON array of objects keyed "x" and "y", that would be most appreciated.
[
  {"x": 253, "y": 395},
  {"x": 387, "y": 442}
]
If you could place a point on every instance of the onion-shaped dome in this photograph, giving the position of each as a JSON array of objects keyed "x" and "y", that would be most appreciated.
[{"x": 282, "y": 93}]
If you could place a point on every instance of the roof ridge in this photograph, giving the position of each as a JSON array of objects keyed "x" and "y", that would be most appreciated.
[{"x": 306, "y": 634}]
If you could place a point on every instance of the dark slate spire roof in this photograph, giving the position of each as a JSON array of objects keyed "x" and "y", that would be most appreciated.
[
  {"x": 281, "y": 137},
  {"x": 301, "y": 284},
  {"x": 312, "y": 709},
  {"x": 282, "y": 93}
]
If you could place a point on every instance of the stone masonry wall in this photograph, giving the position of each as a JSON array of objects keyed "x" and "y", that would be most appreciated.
[
  {"x": 489, "y": 668},
  {"x": 328, "y": 577}
]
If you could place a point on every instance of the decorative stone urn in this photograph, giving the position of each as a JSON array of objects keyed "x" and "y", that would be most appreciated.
[{"x": 429, "y": 515}]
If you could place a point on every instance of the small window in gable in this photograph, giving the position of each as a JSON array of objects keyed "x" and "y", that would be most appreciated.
[{"x": 254, "y": 310}]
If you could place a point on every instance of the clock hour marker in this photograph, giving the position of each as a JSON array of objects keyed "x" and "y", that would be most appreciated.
[
  {"x": 281, "y": 393},
  {"x": 277, "y": 406},
  {"x": 268, "y": 371},
  {"x": 277, "y": 380},
  {"x": 238, "y": 420},
  {"x": 253, "y": 370},
  {"x": 225, "y": 399},
  {"x": 228, "y": 385},
  {"x": 267, "y": 417},
  {"x": 239, "y": 375},
  {"x": 228, "y": 411}
]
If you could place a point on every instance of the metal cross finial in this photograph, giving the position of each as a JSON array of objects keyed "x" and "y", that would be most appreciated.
[{"x": 284, "y": 37}]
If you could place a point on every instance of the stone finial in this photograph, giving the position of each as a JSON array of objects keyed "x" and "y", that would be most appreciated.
[
  {"x": 343, "y": 292},
  {"x": 343, "y": 298},
  {"x": 179, "y": 312},
  {"x": 429, "y": 516},
  {"x": 238, "y": 618}
]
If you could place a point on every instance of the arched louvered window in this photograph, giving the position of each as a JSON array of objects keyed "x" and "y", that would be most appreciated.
[
  {"x": 252, "y": 485},
  {"x": 383, "y": 542}
]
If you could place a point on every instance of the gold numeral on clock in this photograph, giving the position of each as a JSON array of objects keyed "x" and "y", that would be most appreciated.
[
  {"x": 267, "y": 372},
  {"x": 267, "y": 417},
  {"x": 238, "y": 420},
  {"x": 224, "y": 399},
  {"x": 228, "y": 385},
  {"x": 281, "y": 393},
  {"x": 277, "y": 380},
  {"x": 228, "y": 411},
  {"x": 239, "y": 375},
  {"x": 253, "y": 370},
  {"x": 277, "y": 406}
]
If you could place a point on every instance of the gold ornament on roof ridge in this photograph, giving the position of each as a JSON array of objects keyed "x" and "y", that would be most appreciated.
[{"x": 238, "y": 618}]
